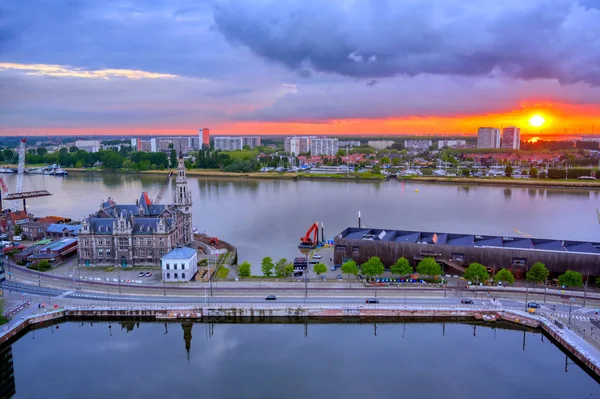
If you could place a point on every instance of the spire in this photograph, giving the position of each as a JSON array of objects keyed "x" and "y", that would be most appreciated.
[{"x": 187, "y": 336}]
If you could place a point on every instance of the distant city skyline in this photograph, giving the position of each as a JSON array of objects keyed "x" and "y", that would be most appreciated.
[{"x": 156, "y": 68}]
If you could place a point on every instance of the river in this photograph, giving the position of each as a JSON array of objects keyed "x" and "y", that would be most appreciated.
[
  {"x": 267, "y": 217},
  {"x": 148, "y": 360}
]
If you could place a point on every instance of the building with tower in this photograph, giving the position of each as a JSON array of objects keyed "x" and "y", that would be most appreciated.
[{"x": 139, "y": 234}]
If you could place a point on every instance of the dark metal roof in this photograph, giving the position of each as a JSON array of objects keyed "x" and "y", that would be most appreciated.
[{"x": 468, "y": 240}]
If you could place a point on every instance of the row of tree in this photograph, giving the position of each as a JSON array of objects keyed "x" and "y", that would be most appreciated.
[{"x": 373, "y": 267}]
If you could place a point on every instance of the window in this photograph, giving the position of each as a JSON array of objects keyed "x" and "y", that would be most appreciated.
[
  {"x": 100, "y": 252},
  {"x": 108, "y": 252},
  {"x": 182, "y": 275},
  {"x": 162, "y": 252},
  {"x": 149, "y": 241},
  {"x": 122, "y": 243},
  {"x": 122, "y": 225},
  {"x": 183, "y": 266},
  {"x": 168, "y": 266},
  {"x": 340, "y": 248},
  {"x": 175, "y": 266},
  {"x": 86, "y": 253},
  {"x": 168, "y": 275},
  {"x": 175, "y": 275},
  {"x": 355, "y": 250}
]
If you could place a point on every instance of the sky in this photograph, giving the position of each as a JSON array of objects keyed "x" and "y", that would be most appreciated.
[{"x": 381, "y": 67}]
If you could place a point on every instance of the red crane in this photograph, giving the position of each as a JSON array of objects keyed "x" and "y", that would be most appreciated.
[{"x": 307, "y": 241}]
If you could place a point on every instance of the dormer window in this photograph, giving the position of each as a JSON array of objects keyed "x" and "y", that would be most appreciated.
[
  {"x": 122, "y": 225},
  {"x": 141, "y": 229}
]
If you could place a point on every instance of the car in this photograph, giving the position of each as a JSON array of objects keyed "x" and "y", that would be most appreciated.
[
  {"x": 148, "y": 274},
  {"x": 316, "y": 256},
  {"x": 372, "y": 300},
  {"x": 333, "y": 268},
  {"x": 533, "y": 305},
  {"x": 270, "y": 298},
  {"x": 17, "y": 238},
  {"x": 339, "y": 276},
  {"x": 4, "y": 236},
  {"x": 466, "y": 301},
  {"x": 499, "y": 284},
  {"x": 141, "y": 274}
]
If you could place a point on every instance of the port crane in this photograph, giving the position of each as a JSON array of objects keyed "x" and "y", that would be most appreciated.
[
  {"x": 19, "y": 193},
  {"x": 162, "y": 190},
  {"x": 306, "y": 241}
]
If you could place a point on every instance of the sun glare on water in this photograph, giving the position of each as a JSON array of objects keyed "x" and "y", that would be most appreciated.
[{"x": 537, "y": 120}]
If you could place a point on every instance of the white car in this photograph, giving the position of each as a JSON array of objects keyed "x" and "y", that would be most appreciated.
[
  {"x": 17, "y": 238},
  {"x": 316, "y": 256}
]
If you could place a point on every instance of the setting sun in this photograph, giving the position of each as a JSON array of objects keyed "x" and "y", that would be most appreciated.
[{"x": 537, "y": 120}]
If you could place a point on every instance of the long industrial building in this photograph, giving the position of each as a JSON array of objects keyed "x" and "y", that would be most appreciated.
[{"x": 457, "y": 251}]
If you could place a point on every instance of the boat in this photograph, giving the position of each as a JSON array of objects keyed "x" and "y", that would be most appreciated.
[{"x": 6, "y": 170}]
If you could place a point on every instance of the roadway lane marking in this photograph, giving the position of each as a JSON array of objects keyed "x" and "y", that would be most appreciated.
[{"x": 64, "y": 294}]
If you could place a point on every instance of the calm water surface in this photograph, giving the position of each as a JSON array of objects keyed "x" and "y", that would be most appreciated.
[
  {"x": 267, "y": 217},
  {"x": 278, "y": 360}
]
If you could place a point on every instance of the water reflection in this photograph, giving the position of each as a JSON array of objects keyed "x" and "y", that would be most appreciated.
[
  {"x": 507, "y": 193},
  {"x": 7, "y": 373},
  {"x": 272, "y": 354}
]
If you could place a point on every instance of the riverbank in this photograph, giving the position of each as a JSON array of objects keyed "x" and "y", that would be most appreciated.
[
  {"x": 485, "y": 181},
  {"x": 252, "y": 175},
  {"x": 367, "y": 176}
]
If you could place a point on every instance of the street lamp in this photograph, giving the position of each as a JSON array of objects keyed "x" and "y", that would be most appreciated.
[{"x": 570, "y": 303}]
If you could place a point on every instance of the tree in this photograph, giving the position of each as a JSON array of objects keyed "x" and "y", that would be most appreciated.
[
  {"x": 376, "y": 169},
  {"x": 288, "y": 270},
  {"x": 373, "y": 267},
  {"x": 465, "y": 172},
  {"x": 17, "y": 230},
  {"x": 401, "y": 267},
  {"x": 533, "y": 173},
  {"x": 538, "y": 273},
  {"x": 43, "y": 265},
  {"x": 244, "y": 269},
  {"x": 280, "y": 267},
  {"x": 476, "y": 272},
  {"x": 504, "y": 275},
  {"x": 385, "y": 160},
  {"x": 571, "y": 278},
  {"x": 508, "y": 170},
  {"x": 349, "y": 267},
  {"x": 267, "y": 266},
  {"x": 320, "y": 268},
  {"x": 429, "y": 267}
]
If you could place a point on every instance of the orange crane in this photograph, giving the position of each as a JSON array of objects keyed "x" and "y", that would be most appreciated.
[{"x": 306, "y": 241}]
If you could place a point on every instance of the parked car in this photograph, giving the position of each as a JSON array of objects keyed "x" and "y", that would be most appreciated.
[
  {"x": 4, "y": 236},
  {"x": 372, "y": 300},
  {"x": 316, "y": 256},
  {"x": 533, "y": 305},
  {"x": 148, "y": 274},
  {"x": 339, "y": 276},
  {"x": 17, "y": 238},
  {"x": 270, "y": 298},
  {"x": 466, "y": 301},
  {"x": 333, "y": 268},
  {"x": 141, "y": 274}
]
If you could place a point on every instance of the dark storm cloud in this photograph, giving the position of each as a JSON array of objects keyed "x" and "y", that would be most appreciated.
[
  {"x": 159, "y": 36},
  {"x": 556, "y": 39}
]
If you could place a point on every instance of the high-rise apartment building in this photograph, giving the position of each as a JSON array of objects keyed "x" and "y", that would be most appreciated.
[
  {"x": 452, "y": 143},
  {"x": 488, "y": 137},
  {"x": 380, "y": 144},
  {"x": 511, "y": 137},
  {"x": 204, "y": 136},
  {"x": 228, "y": 143},
  {"x": 323, "y": 146},
  {"x": 296, "y": 145},
  {"x": 419, "y": 145},
  {"x": 250, "y": 141},
  {"x": 235, "y": 143}
]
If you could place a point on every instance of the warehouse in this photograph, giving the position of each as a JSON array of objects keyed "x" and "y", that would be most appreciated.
[{"x": 456, "y": 251}]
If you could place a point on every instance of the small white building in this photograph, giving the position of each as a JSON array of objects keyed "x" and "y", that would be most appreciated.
[{"x": 181, "y": 264}]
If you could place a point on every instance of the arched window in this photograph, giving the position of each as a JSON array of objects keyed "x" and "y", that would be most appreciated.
[
  {"x": 175, "y": 275},
  {"x": 168, "y": 275},
  {"x": 182, "y": 275}
]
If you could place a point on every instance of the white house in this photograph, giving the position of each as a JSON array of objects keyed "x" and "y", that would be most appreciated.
[{"x": 181, "y": 264}]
